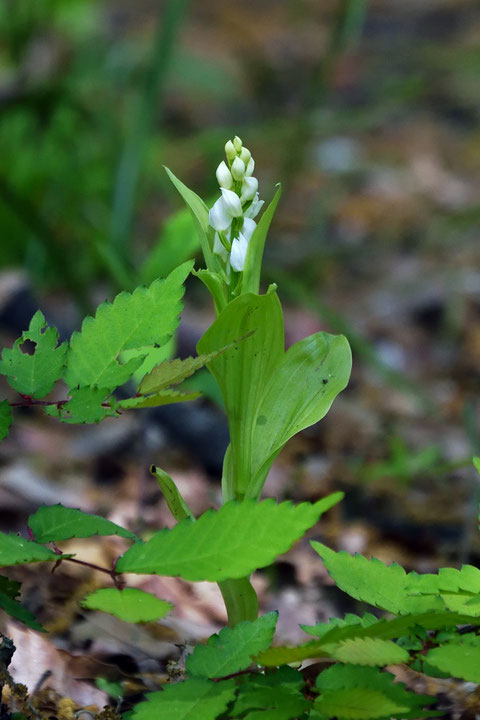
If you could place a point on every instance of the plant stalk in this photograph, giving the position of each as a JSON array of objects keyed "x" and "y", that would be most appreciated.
[{"x": 240, "y": 600}]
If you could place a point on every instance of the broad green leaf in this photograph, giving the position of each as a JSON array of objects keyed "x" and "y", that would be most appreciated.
[
  {"x": 53, "y": 523},
  {"x": 351, "y": 623},
  {"x": 146, "y": 317},
  {"x": 244, "y": 371},
  {"x": 232, "y": 649},
  {"x": 359, "y": 704},
  {"x": 177, "y": 243},
  {"x": 173, "y": 372},
  {"x": 253, "y": 261},
  {"x": 369, "y": 651},
  {"x": 86, "y": 405},
  {"x": 15, "y": 550},
  {"x": 35, "y": 375},
  {"x": 460, "y": 659},
  {"x": 13, "y": 608},
  {"x": 199, "y": 212},
  {"x": 194, "y": 699},
  {"x": 300, "y": 393},
  {"x": 255, "y": 375},
  {"x": 131, "y": 604},
  {"x": 273, "y": 696},
  {"x": 228, "y": 543},
  {"x": 368, "y": 580},
  {"x": 5, "y": 419},
  {"x": 165, "y": 397}
]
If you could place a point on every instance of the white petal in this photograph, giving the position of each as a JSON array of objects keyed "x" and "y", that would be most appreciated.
[
  {"x": 238, "y": 253},
  {"x": 237, "y": 143},
  {"x": 245, "y": 155},
  {"x": 250, "y": 167},
  {"x": 249, "y": 188},
  {"x": 230, "y": 151},
  {"x": 219, "y": 248},
  {"x": 224, "y": 176},
  {"x": 218, "y": 216},
  {"x": 248, "y": 228},
  {"x": 254, "y": 208},
  {"x": 232, "y": 203},
  {"x": 238, "y": 169}
]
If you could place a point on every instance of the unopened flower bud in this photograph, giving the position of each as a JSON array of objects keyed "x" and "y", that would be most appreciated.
[
  {"x": 237, "y": 143},
  {"x": 249, "y": 189},
  {"x": 250, "y": 167},
  {"x": 230, "y": 151},
  {"x": 245, "y": 155},
  {"x": 224, "y": 176},
  {"x": 238, "y": 169}
]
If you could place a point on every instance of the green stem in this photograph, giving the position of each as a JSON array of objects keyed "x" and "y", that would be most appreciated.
[{"x": 240, "y": 600}]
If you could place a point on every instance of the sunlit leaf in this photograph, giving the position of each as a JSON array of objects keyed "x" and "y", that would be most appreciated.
[
  {"x": 53, "y": 523},
  {"x": 131, "y": 604}
]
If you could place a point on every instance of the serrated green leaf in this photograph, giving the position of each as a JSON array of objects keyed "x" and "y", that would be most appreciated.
[
  {"x": 369, "y": 651},
  {"x": 350, "y": 621},
  {"x": 446, "y": 580},
  {"x": 86, "y": 405},
  {"x": 342, "y": 678},
  {"x": 16, "y": 610},
  {"x": 15, "y": 550},
  {"x": 194, "y": 699},
  {"x": 253, "y": 260},
  {"x": 173, "y": 372},
  {"x": 368, "y": 580},
  {"x": 228, "y": 543},
  {"x": 232, "y": 649},
  {"x": 459, "y": 659},
  {"x": 199, "y": 212},
  {"x": 275, "y": 696},
  {"x": 165, "y": 397},
  {"x": 53, "y": 523},
  {"x": 131, "y": 604},
  {"x": 146, "y": 317},
  {"x": 358, "y": 704},
  {"x": 35, "y": 375},
  {"x": 5, "y": 419}
]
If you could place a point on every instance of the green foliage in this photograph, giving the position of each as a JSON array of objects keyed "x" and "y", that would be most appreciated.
[
  {"x": 173, "y": 372},
  {"x": 34, "y": 375},
  {"x": 459, "y": 659},
  {"x": 9, "y": 591},
  {"x": 86, "y": 405},
  {"x": 253, "y": 261},
  {"x": 194, "y": 699},
  {"x": 5, "y": 419},
  {"x": 254, "y": 375},
  {"x": 228, "y": 543},
  {"x": 276, "y": 696},
  {"x": 232, "y": 649},
  {"x": 146, "y": 317},
  {"x": 130, "y": 604},
  {"x": 15, "y": 550},
  {"x": 374, "y": 582},
  {"x": 348, "y": 691},
  {"x": 199, "y": 212},
  {"x": 53, "y": 523}
]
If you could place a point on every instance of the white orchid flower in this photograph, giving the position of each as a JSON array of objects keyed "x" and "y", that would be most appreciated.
[
  {"x": 219, "y": 248},
  {"x": 249, "y": 189},
  {"x": 232, "y": 203},
  {"x": 238, "y": 169},
  {"x": 248, "y": 228},
  {"x": 238, "y": 253}
]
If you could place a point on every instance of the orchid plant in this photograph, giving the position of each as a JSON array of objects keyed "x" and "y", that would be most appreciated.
[{"x": 270, "y": 395}]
